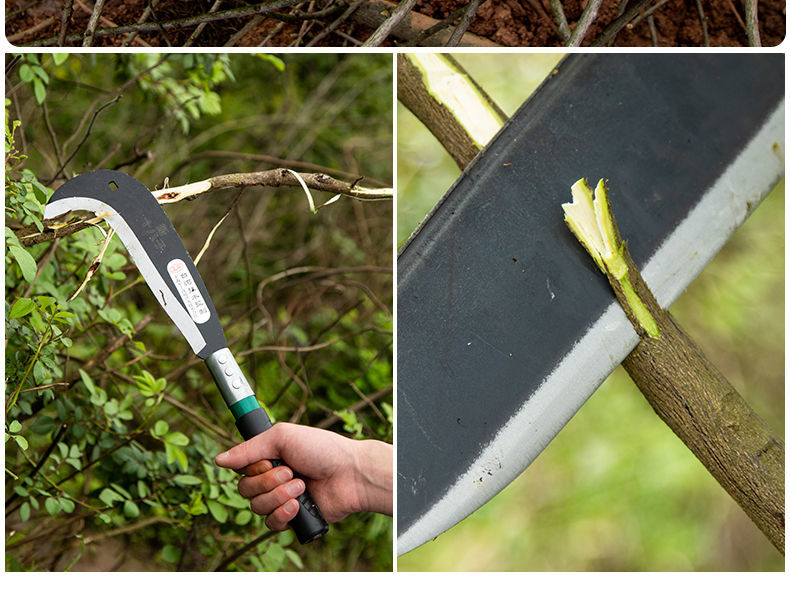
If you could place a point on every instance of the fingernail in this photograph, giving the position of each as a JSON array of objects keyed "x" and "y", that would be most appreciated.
[
  {"x": 284, "y": 475},
  {"x": 296, "y": 488},
  {"x": 223, "y": 456},
  {"x": 291, "y": 507}
]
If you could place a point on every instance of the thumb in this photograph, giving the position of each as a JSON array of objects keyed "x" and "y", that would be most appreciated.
[{"x": 263, "y": 446}]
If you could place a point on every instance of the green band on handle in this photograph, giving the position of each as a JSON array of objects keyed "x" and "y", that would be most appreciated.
[{"x": 243, "y": 406}]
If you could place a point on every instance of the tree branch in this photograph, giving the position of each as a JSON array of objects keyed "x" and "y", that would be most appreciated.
[
  {"x": 30, "y": 235},
  {"x": 685, "y": 389}
]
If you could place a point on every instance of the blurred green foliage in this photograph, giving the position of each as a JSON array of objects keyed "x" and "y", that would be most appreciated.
[
  {"x": 111, "y": 423},
  {"x": 616, "y": 490}
]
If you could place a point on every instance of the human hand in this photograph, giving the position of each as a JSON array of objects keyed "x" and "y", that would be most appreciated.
[{"x": 344, "y": 475}]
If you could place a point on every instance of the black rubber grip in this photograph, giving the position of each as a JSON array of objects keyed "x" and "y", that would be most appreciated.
[{"x": 308, "y": 524}]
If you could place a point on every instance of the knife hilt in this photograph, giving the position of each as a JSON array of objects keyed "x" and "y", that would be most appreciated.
[{"x": 251, "y": 420}]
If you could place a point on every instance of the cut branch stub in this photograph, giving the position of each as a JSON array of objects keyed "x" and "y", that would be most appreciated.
[{"x": 684, "y": 388}]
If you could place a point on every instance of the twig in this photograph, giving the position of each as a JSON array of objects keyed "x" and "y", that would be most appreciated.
[
  {"x": 466, "y": 19},
  {"x": 336, "y": 23},
  {"x": 243, "y": 31},
  {"x": 562, "y": 20},
  {"x": 615, "y": 26},
  {"x": 704, "y": 21},
  {"x": 104, "y": 21},
  {"x": 222, "y": 15},
  {"x": 30, "y": 235},
  {"x": 651, "y": 25},
  {"x": 223, "y": 565},
  {"x": 274, "y": 161},
  {"x": 648, "y": 13},
  {"x": 538, "y": 8},
  {"x": 737, "y": 16},
  {"x": 143, "y": 18},
  {"x": 65, "y": 17},
  {"x": 217, "y": 225},
  {"x": 381, "y": 34},
  {"x": 438, "y": 26},
  {"x": 35, "y": 28},
  {"x": 752, "y": 24},
  {"x": 92, "y": 24},
  {"x": 588, "y": 16},
  {"x": 199, "y": 29},
  {"x": 101, "y": 108}
]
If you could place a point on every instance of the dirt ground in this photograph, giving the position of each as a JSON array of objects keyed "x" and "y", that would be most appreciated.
[{"x": 505, "y": 22}]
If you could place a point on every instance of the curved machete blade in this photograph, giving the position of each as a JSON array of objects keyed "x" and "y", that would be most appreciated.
[
  {"x": 505, "y": 326},
  {"x": 154, "y": 246}
]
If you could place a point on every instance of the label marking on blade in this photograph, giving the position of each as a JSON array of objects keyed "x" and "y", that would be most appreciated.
[{"x": 188, "y": 290}]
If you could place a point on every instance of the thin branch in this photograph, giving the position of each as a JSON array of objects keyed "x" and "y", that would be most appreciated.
[
  {"x": 336, "y": 23},
  {"x": 147, "y": 27},
  {"x": 199, "y": 29},
  {"x": 92, "y": 24},
  {"x": 381, "y": 34},
  {"x": 610, "y": 33},
  {"x": 704, "y": 21},
  {"x": 65, "y": 17},
  {"x": 223, "y": 565},
  {"x": 588, "y": 16},
  {"x": 562, "y": 21},
  {"x": 752, "y": 24},
  {"x": 98, "y": 111},
  {"x": 143, "y": 18},
  {"x": 469, "y": 13},
  {"x": 30, "y": 235},
  {"x": 34, "y": 29}
]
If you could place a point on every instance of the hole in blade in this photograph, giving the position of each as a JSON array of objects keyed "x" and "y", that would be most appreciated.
[{"x": 112, "y": 185}]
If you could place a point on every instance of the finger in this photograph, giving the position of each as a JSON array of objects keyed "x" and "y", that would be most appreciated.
[
  {"x": 266, "y": 503},
  {"x": 279, "y": 519},
  {"x": 256, "y": 468},
  {"x": 263, "y": 446},
  {"x": 251, "y": 486}
]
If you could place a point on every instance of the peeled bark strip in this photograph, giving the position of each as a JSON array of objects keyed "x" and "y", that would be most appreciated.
[{"x": 705, "y": 411}]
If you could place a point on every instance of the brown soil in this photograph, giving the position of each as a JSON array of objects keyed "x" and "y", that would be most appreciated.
[{"x": 505, "y": 22}]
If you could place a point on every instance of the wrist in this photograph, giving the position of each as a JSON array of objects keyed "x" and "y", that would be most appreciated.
[{"x": 374, "y": 473}]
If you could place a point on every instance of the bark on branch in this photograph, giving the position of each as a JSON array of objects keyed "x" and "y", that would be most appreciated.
[
  {"x": 687, "y": 391},
  {"x": 30, "y": 235}
]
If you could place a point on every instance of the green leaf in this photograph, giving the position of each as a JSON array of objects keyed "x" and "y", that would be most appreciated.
[
  {"x": 130, "y": 510},
  {"x": 86, "y": 379},
  {"x": 160, "y": 428},
  {"x": 21, "y": 307},
  {"x": 187, "y": 480},
  {"x": 25, "y": 261},
  {"x": 39, "y": 90},
  {"x": 52, "y": 506},
  {"x": 218, "y": 511},
  {"x": 171, "y": 554},
  {"x": 21, "y": 442},
  {"x": 26, "y": 73},
  {"x": 14, "y": 427},
  {"x": 59, "y": 58},
  {"x": 67, "y": 505},
  {"x": 42, "y": 425},
  {"x": 273, "y": 60},
  {"x": 294, "y": 557},
  {"x": 177, "y": 439},
  {"x": 243, "y": 517},
  {"x": 24, "y": 512},
  {"x": 109, "y": 497}
]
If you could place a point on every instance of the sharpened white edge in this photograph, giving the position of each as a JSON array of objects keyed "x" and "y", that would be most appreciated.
[
  {"x": 609, "y": 340},
  {"x": 140, "y": 257}
]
